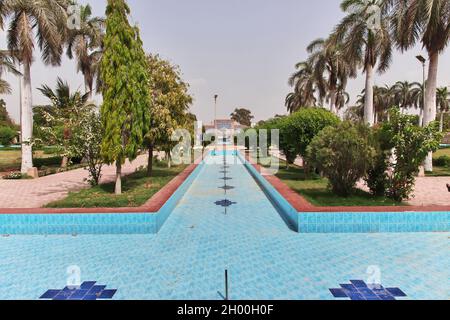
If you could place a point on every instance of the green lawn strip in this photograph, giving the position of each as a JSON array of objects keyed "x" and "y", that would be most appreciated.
[
  {"x": 315, "y": 190},
  {"x": 10, "y": 160},
  {"x": 137, "y": 189}
]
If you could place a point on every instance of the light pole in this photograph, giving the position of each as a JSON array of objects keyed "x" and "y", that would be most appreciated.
[
  {"x": 216, "y": 96},
  {"x": 423, "y": 61}
]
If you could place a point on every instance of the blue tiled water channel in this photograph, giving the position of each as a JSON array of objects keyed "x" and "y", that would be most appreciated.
[{"x": 202, "y": 238}]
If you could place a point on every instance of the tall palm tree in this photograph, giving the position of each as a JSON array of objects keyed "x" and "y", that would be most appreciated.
[
  {"x": 443, "y": 102},
  {"x": 86, "y": 44},
  {"x": 304, "y": 83},
  {"x": 427, "y": 22},
  {"x": 383, "y": 100},
  {"x": 366, "y": 45},
  {"x": 331, "y": 69},
  {"x": 6, "y": 65},
  {"x": 45, "y": 20}
]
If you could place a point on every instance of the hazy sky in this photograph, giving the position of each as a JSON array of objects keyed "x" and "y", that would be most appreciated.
[{"x": 243, "y": 50}]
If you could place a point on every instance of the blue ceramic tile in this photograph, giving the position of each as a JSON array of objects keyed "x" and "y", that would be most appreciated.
[
  {"x": 396, "y": 292},
  {"x": 339, "y": 293},
  {"x": 358, "y": 283},
  {"x": 50, "y": 294},
  {"x": 107, "y": 294}
]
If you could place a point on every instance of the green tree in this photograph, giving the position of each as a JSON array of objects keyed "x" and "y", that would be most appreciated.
[
  {"x": 126, "y": 95},
  {"x": 242, "y": 116},
  {"x": 169, "y": 107},
  {"x": 364, "y": 44},
  {"x": 427, "y": 22},
  {"x": 45, "y": 20},
  {"x": 7, "y": 134},
  {"x": 344, "y": 154},
  {"x": 85, "y": 44}
]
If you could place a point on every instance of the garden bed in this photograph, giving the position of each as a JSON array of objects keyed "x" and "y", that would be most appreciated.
[{"x": 137, "y": 190}]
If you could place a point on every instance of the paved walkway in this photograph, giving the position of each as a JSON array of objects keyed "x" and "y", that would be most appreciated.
[
  {"x": 429, "y": 191},
  {"x": 39, "y": 192}
]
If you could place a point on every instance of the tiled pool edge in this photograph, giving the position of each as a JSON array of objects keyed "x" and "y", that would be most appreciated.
[
  {"x": 351, "y": 221},
  {"x": 148, "y": 219}
]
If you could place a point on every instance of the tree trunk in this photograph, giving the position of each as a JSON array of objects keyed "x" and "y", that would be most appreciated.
[
  {"x": 150, "y": 160},
  {"x": 441, "y": 122},
  {"x": 368, "y": 104},
  {"x": 421, "y": 117},
  {"x": 118, "y": 189},
  {"x": 333, "y": 100},
  {"x": 430, "y": 102},
  {"x": 26, "y": 119}
]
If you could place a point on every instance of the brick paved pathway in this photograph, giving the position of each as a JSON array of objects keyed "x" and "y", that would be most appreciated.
[{"x": 39, "y": 192}]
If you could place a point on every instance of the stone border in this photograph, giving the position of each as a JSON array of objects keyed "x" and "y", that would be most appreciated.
[
  {"x": 304, "y": 206},
  {"x": 153, "y": 205}
]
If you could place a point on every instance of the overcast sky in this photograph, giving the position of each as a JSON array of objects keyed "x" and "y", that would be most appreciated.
[{"x": 242, "y": 50}]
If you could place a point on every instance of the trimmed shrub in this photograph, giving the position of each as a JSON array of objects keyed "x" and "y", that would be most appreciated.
[
  {"x": 344, "y": 154},
  {"x": 443, "y": 161}
]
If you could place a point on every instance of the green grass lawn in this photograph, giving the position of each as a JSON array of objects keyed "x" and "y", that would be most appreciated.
[
  {"x": 315, "y": 190},
  {"x": 137, "y": 189},
  {"x": 440, "y": 171},
  {"x": 10, "y": 160}
]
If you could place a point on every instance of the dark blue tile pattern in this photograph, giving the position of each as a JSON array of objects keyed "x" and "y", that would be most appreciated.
[
  {"x": 225, "y": 203},
  {"x": 359, "y": 290},
  {"x": 87, "y": 291}
]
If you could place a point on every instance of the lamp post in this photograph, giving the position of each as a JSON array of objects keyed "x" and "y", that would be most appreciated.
[
  {"x": 216, "y": 96},
  {"x": 423, "y": 61}
]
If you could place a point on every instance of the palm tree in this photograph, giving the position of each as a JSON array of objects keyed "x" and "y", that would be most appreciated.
[
  {"x": 427, "y": 21},
  {"x": 331, "y": 69},
  {"x": 404, "y": 94},
  {"x": 365, "y": 45},
  {"x": 443, "y": 102},
  {"x": 304, "y": 83},
  {"x": 6, "y": 65},
  {"x": 417, "y": 93},
  {"x": 342, "y": 99},
  {"x": 85, "y": 43},
  {"x": 67, "y": 104},
  {"x": 383, "y": 100},
  {"x": 45, "y": 20}
]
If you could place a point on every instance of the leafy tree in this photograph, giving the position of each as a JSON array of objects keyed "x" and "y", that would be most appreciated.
[
  {"x": 411, "y": 144},
  {"x": 45, "y": 20},
  {"x": 304, "y": 125},
  {"x": 169, "y": 107},
  {"x": 369, "y": 47},
  {"x": 5, "y": 119},
  {"x": 86, "y": 144},
  {"x": 344, "y": 154},
  {"x": 7, "y": 134},
  {"x": 126, "y": 95},
  {"x": 86, "y": 44},
  {"x": 242, "y": 116}
]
